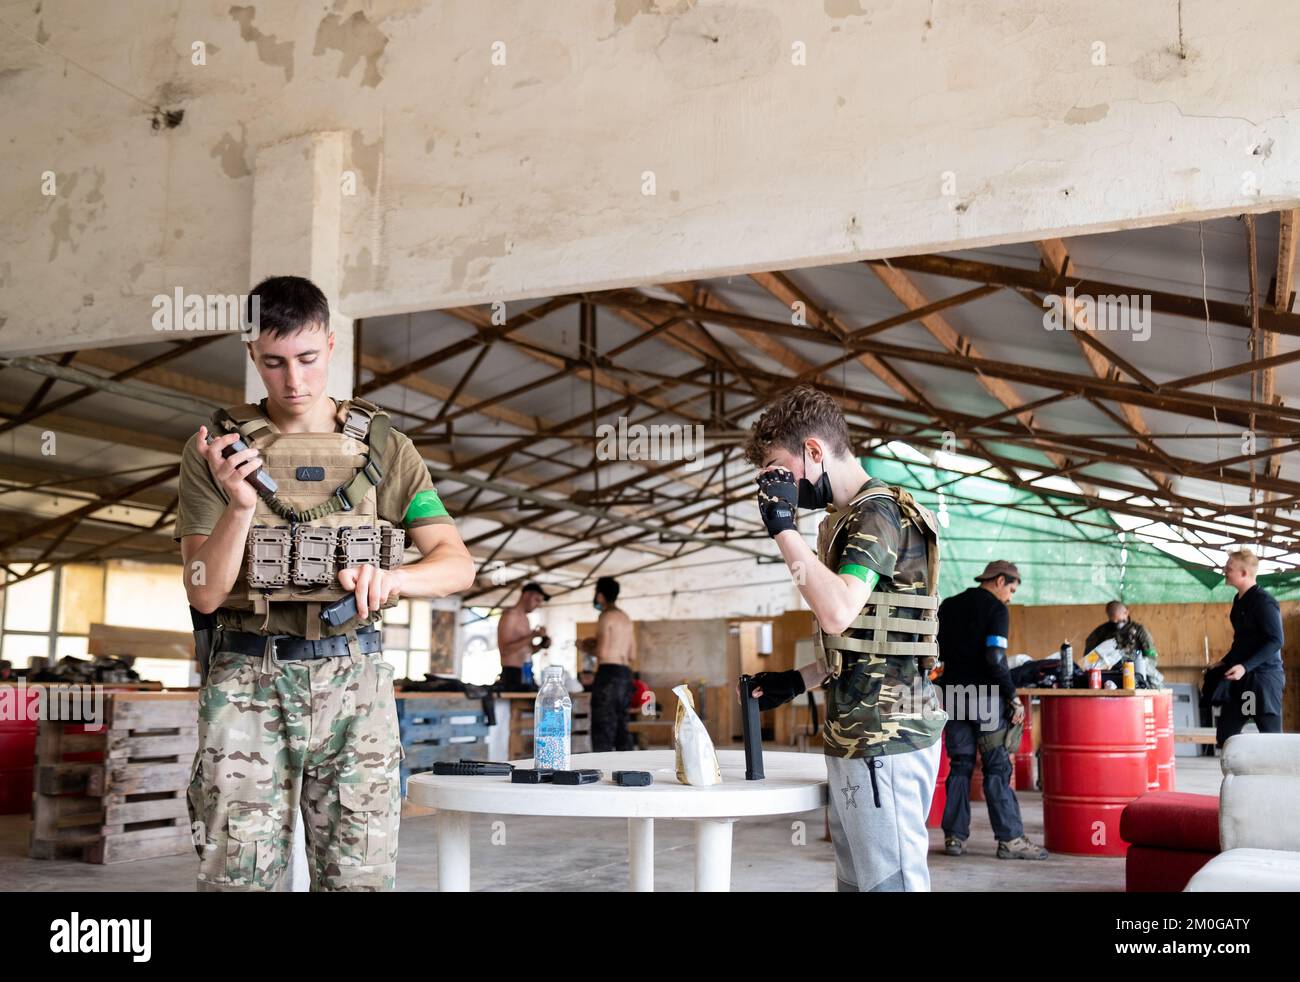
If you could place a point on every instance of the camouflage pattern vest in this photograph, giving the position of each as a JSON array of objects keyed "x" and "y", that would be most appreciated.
[
  {"x": 323, "y": 516},
  {"x": 880, "y": 614}
]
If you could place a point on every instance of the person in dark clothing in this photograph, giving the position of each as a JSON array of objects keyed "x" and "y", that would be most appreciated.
[
  {"x": 611, "y": 690},
  {"x": 1254, "y": 674},
  {"x": 981, "y": 702},
  {"x": 1133, "y": 639}
]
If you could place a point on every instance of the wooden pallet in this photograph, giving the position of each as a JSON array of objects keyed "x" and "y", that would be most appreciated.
[
  {"x": 520, "y": 742},
  {"x": 651, "y": 732},
  {"x": 117, "y": 793},
  {"x": 439, "y": 727},
  {"x": 580, "y": 734}
]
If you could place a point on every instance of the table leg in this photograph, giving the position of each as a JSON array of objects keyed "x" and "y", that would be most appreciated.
[
  {"x": 453, "y": 851},
  {"x": 641, "y": 855},
  {"x": 713, "y": 855}
]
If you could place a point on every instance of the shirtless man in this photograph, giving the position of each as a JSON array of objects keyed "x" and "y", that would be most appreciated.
[
  {"x": 616, "y": 655},
  {"x": 516, "y": 640}
]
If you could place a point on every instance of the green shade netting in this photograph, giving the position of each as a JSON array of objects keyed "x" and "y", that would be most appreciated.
[{"x": 1076, "y": 559}]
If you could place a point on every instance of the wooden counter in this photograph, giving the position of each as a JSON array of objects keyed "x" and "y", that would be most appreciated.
[{"x": 1085, "y": 692}]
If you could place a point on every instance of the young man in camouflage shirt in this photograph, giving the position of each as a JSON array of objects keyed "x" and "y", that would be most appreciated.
[
  {"x": 296, "y": 715},
  {"x": 883, "y": 718}
]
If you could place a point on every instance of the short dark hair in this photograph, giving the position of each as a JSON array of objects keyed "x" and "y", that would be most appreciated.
[
  {"x": 607, "y": 587},
  {"x": 798, "y": 414},
  {"x": 288, "y": 304},
  {"x": 1114, "y": 606}
]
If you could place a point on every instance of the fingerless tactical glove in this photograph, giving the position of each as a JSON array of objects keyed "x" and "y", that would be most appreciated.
[
  {"x": 778, "y": 496},
  {"x": 778, "y": 687}
]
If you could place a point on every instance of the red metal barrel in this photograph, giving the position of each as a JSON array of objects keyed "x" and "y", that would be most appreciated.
[
  {"x": 935, "y": 820},
  {"x": 1094, "y": 760},
  {"x": 1023, "y": 775},
  {"x": 976, "y": 784},
  {"x": 17, "y": 749},
  {"x": 1149, "y": 736},
  {"x": 16, "y": 791},
  {"x": 1164, "y": 713}
]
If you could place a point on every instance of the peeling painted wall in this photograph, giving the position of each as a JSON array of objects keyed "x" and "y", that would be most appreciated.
[{"x": 503, "y": 149}]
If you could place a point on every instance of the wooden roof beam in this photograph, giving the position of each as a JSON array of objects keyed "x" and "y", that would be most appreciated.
[
  {"x": 901, "y": 286},
  {"x": 783, "y": 288},
  {"x": 1103, "y": 362},
  {"x": 1283, "y": 287},
  {"x": 1045, "y": 281}
]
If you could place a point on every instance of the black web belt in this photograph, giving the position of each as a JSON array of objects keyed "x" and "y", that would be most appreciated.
[{"x": 289, "y": 647}]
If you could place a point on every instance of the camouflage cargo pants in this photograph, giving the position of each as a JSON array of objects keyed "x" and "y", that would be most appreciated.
[{"x": 319, "y": 735}]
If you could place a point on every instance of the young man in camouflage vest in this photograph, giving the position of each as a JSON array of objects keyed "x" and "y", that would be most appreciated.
[
  {"x": 297, "y": 712},
  {"x": 872, "y": 588}
]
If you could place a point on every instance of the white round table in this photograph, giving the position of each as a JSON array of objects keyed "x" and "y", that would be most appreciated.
[{"x": 793, "y": 783}]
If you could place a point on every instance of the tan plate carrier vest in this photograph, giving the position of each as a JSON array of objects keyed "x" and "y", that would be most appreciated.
[
  {"x": 883, "y": 605},
  {"x": 323, "y": 516}
]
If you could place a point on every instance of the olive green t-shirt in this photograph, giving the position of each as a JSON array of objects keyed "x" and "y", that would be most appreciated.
[{"x": 405, "y": 496}]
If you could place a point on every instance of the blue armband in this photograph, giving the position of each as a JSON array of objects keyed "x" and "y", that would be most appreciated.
[{"x": 994, "y": 641}]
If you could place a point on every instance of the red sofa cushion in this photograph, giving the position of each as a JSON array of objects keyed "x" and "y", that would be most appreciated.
[
  {"x": 1151, "y": 870},
  {"x": 1172, "y": 820}
]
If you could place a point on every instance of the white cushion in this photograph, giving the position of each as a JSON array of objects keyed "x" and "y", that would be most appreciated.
[
  {"x": 1249, "y": 870},
  {"x": 1260, "y": 795},
  {"x": 1259, "y": 812},
  {"x": 1262, "y": 753}
]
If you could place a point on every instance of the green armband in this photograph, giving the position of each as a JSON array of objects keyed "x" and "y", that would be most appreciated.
[
  {"x": 426, "y": 504},
  {"x": 868, "y": 576}
]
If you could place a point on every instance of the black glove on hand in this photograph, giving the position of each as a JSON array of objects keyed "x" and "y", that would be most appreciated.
[
  {"x": 778, "y": 496},
  {"x": 778, "y": 687}
]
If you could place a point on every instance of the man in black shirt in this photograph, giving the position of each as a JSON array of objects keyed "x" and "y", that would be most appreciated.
[
  {"x": 981, "y": 702},
  {"x": 1254, "y": 662}
]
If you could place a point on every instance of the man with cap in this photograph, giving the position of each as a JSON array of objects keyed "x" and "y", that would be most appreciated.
[
  {"x": 516, "y": 641},
  {"x": 611, "y": 691},
  {"x": 982, "y": 705}
]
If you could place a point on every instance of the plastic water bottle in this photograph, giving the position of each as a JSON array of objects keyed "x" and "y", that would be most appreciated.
[{"x": 552, "y": 722}]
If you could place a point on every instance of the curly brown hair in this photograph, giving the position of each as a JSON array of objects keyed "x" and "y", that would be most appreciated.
[{"x": 798, "y": 414}]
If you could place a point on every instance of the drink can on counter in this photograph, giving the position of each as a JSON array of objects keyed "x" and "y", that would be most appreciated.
[
  {"x": 1094, "y": 678},
  {"x": 1130, "y": 679}
]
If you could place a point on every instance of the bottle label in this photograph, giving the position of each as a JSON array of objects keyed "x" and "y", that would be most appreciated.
[
  {"x": 552, "y": 723},
  {"x": 551, "y": 739}
]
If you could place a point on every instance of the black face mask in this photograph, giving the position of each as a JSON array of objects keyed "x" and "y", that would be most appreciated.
[{"x": 814, "y": 496}]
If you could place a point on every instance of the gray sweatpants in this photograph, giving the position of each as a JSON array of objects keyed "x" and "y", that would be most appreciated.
[{"x": 882, "y": 849}]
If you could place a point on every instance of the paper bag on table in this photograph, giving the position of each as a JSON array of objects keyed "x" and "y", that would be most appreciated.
[
  {"x": 1105, "y": 655},
  {"x": 697, "y": 763}
]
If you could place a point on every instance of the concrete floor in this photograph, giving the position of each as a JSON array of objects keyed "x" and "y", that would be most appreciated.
[{"x": 591, "y": 855}]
